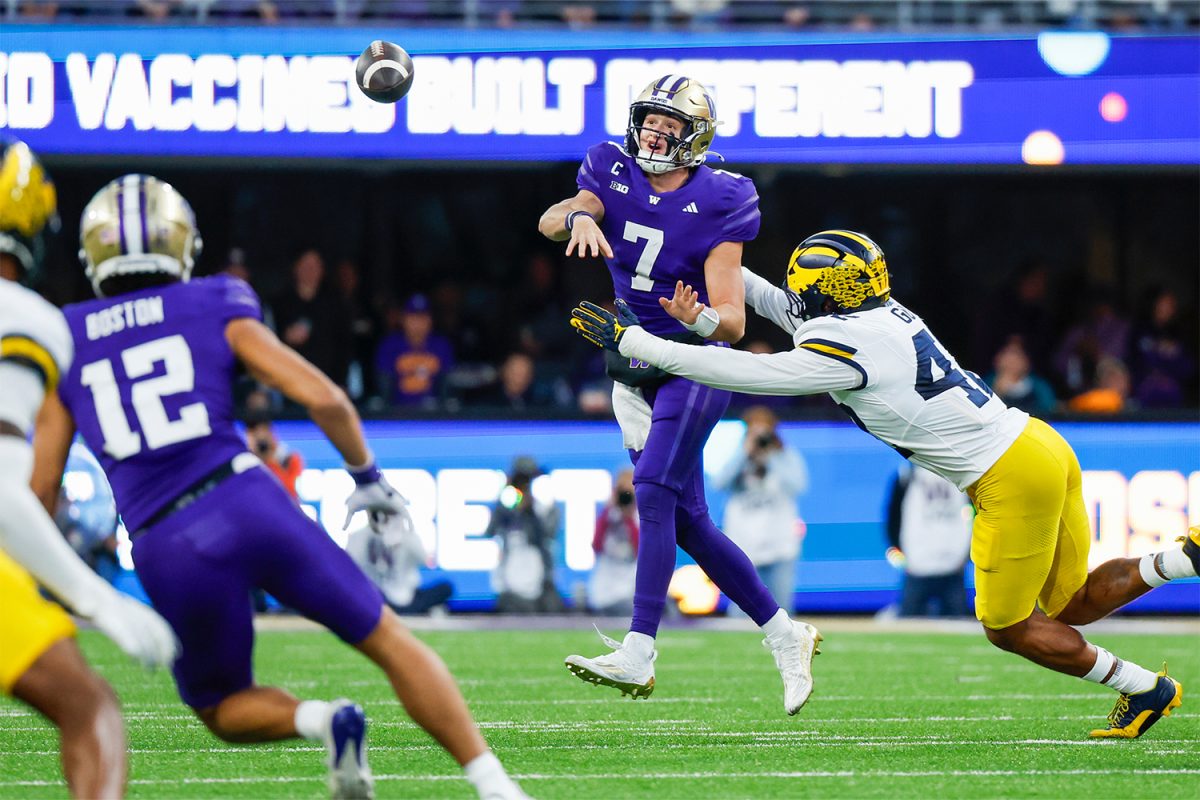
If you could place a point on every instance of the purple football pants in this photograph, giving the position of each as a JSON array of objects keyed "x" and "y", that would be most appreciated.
[
  {"x": 668, "y": 479},
  {"x": 200, "y": 564}
]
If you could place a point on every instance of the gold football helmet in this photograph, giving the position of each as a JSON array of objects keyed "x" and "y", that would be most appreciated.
[
  {"x": 689, "y": 102},
  {"x": 836, "y": 272},
  {"x": 28, "y": 206},
  {"x": 138, "y": 226}
]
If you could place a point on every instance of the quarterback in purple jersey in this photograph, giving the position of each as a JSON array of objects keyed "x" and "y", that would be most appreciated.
[
  {"x": 150, "y": 392},
  {"x": 671, "y": 231}
]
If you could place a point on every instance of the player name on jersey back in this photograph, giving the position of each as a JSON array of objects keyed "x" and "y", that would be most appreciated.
[{"x": 131, "y": 314}]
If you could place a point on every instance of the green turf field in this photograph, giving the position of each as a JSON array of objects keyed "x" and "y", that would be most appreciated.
[{"x": 894, "y": 715}]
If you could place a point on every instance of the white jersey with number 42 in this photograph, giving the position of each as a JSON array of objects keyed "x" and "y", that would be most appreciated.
[{"x": 882, "y": 366}]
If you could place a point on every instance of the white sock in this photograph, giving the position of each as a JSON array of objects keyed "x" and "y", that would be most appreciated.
[
  {"x": 639, "y": 644},
  {"x": 1123, "y": 676},
  {"x": 487, "y": 775},
  {"x": 778, "y": 627},
  {"x": 311, "y": 718},
  {"x": 1159, "y": 568}
]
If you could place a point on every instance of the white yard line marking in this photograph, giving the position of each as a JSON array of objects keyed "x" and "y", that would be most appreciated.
[{"x": 612, "y": 776}]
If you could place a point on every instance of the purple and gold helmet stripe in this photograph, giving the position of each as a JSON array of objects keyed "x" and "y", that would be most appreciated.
[
  {"x": 131, "y": 206},
  {"x": 677, "y": 83}
]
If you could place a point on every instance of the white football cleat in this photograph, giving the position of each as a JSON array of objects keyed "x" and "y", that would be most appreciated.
[
  {"x": 622, "y": 669},
  {"x": 346, "y": 741},
  {"x": 794, "y": 658}
]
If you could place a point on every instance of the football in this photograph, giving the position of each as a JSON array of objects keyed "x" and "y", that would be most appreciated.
[{"x": 384, "y": 72}]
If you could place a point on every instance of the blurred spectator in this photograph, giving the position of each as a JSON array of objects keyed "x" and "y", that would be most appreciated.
[
  {"x": 765, "y": 477},
  {"x": 1163, "y": 365},
  {"x": 796, "y": 17},
  {"x": 1022, "y": 309},
  {"x": 235, "y": 265},
  {"x": 578, "y": 15},
  {"x": 285, "y": 463},
  {"x": 538, "y": 306},
  {"x": 364, "y": 329},
  {"x": 1111, "y": 392},
  {"x": 39, "y": 9},
  {"x": 615, "y": 543},
  {"x": 929, "y": 530},
  {"x": 1015, "y": 383},
  {"x": 861, "y": 22},
  {"x": 264, "y": 10},
  {"x": 517, "y": 390},
  {"x": 158, "y": 10},
  {"x": 391, "y": 554},
  {"x": 1102, "y": 333},
  {"x": 412, "y": 361},
  {"x": 87, "y": 513},
  {"x": 700, "y": 13},
  {"x": 527, "y": 531},
  {"x": 311, "y": 318}
]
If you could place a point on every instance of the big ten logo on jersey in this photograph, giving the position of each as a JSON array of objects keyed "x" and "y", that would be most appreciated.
[{"x": 617, "y": 186}]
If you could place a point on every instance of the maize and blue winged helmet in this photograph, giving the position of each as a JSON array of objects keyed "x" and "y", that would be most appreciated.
[
  {"x": 28, "y": 207},
  {"x": 836, "y": 272},
  {"x": 689, "y": 102}
]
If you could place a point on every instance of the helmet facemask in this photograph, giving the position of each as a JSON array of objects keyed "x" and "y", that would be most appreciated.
[
  {"x": 836, "y": 272},
  {"x": 679, "y": 98}
]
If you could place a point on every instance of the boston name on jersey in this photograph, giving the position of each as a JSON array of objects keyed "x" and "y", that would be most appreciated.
[
  {"x": 135, "y": 387},
  {"x": 658, "y": 239}
]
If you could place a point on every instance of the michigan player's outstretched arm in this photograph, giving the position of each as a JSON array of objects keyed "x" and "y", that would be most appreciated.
[
  {"x": 793, "y": 372},
  {"x": 280, "y": 367},
  {"x": 577, "y": 219},
  {"x": 768, "y": 301}
]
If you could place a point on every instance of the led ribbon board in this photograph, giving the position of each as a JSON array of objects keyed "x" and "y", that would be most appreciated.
[{"x": 1075, "y": 98}]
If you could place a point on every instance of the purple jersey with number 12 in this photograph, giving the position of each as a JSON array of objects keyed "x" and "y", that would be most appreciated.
[
  {"x": 658, "y": 239},
  {"x": 151, "y": 387}
]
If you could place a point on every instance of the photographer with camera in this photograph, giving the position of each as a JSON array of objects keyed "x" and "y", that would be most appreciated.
[
  {"x": 764, "y": 478},
  {"x": 527, "y": 530},
  {"x": 277, "y": 456},
  {"x": 610, "y": 586}
]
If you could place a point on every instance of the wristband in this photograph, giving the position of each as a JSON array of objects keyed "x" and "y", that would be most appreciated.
[
  {"x": 706, "y": 323},
  {"x": 368, "y": 473},
  {"x": 570, "y": 221}
]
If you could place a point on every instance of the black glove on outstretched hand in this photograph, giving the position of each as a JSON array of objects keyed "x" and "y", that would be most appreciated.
[{"x": 600, "y": 326}]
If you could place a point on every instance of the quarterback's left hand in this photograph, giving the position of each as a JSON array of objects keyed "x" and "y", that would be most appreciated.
[
  {"x": 600, "y": 326},
  {"x": 373, "y": 493}
]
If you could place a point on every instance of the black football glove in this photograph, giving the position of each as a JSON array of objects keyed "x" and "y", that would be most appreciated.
[{"x": 600, "y": 326}]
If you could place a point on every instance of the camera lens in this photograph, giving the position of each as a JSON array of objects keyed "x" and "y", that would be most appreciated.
[
  {"x": 624, "y": 498},
  {"x": 765, "y": 439}
]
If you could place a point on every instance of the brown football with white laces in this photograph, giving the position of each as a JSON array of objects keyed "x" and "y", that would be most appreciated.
[{"x": 384, "y": 72}]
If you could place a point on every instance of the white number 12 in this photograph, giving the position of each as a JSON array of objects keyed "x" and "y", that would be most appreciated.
[
  {"x": 654, "y": 242},
  {"x": 120, "y": 440}
]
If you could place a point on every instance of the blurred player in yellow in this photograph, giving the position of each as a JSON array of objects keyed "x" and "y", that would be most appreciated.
[
  {"x": 886, "y": 370},
  {"x": 40, "y": 662}
]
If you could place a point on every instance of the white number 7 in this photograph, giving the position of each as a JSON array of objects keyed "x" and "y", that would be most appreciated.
[{"x": 654, "y": 242}]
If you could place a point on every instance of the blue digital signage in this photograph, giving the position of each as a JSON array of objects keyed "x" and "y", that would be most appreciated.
[
  {"x": 1055, "y": 98},
  {"x": 1141, "y": 486}
]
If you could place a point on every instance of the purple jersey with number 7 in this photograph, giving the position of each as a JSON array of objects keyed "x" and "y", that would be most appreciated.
[
  {"x": 151, "y": 387},
  {"x": 658, "y": 239}
]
